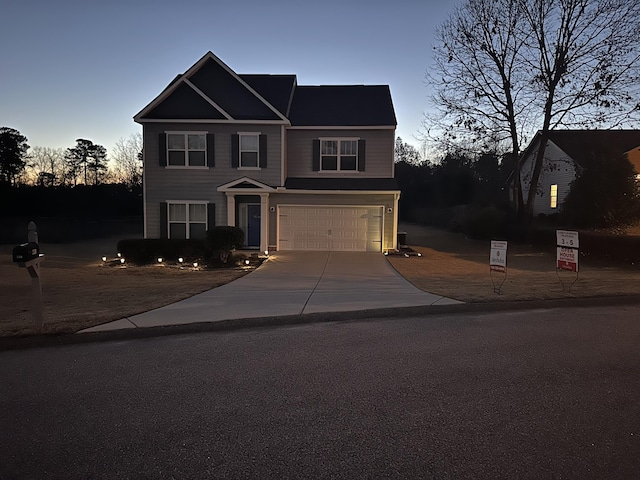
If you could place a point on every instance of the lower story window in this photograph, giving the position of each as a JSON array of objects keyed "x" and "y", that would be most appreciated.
[
  {"x": 553, "y": 194},
  {"x": 187, "y": 220}
]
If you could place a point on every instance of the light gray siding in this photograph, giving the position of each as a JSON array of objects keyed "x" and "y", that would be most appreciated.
[
  {"x": 171, "y": 183},
  {"x": 379, "y": 152},
  {"x": 363, "y": 200},
  {"x": 558, "y": 169}
]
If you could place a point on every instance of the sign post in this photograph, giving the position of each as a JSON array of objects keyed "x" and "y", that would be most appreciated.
[
  {"x": 498, "y": 263},
  {"x": 567, "y": 253}
]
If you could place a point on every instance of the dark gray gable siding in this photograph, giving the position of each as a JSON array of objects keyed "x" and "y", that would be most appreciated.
[
  {"x": 227, "y": 92},
  {"x": 185, "y": 103},
  {"x": 275, "y": 89}
]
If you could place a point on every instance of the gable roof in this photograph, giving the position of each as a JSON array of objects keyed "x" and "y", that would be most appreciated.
[
  {"x": 342, "y": 105},
  {"x": 211, "y": 81},
  {"x": 581, "y": 144},
  {"x": 211, "y": 91}
]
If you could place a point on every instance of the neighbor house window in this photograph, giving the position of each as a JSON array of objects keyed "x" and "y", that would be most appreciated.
[
  {"x": 187, "y": 220},
  {"x": 554, "y": 196},
  {"x": 187, "y": 149},
  {"x": 249, "y": 150},
  {"x": 337, "y": 155}
]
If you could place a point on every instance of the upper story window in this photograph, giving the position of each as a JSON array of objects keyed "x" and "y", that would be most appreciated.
[
  {"x": 553, "y": 196},
  {"x": 249, "y": 150},
  {"x": 338, "y": 155},
  {"x": 186, "y": 149}
]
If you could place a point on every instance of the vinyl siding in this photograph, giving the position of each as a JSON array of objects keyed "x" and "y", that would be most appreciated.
[
  {"x": 558, "y": 169},
  {"x": 162, "y": 184},
  {"x": 364, "y": 200},
  {"x": 379, "y": 152}
]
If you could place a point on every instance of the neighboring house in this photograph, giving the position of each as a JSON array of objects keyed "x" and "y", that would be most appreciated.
[
  {"x": 566, "y": 153},
  {"x": 296, "y": 167}
]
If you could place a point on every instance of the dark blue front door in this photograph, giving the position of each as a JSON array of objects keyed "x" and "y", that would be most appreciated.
[{"x": 253, "y": 225}]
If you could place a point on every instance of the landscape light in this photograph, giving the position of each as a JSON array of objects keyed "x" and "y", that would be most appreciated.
[
  {"x": 122, "y": 260},
  {"x": 119, "y": 255},
  {"x": 180, "y": 259},
  {"x": 104, "y": 259},
  {"x": 246, "y": 262},
  {"x": 266, "y": 252},
  {"x": 419, "y": 254},
  {"x": 386, "y": 253},
  {"x": 195, "y": 264},
  {"x": 159, "y": 259}
]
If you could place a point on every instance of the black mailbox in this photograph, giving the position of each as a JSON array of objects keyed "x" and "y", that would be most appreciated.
[{"x": 25, "y": 252}]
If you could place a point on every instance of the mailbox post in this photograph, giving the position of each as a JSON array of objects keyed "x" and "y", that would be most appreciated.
[{"x": 28, "y": 256}]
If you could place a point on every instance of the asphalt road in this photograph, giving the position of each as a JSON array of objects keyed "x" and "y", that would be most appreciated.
[{"x": 540, "y": 394}]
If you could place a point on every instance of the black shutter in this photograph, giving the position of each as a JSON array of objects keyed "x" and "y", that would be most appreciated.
[
  {"x": 211, "y": 215},
  {"x": 263, "y": 151},
  {"x": 211, "y": 150},
  {"x": 164, "y": 233},
  {"x": 361, "y": 155},
  {"x": 162, "y": 149},
  {"x": 235, "y": 150},
  {"x": 316, "y": 155}
]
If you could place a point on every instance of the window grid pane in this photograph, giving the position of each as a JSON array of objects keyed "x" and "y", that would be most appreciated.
[
  {"x": 197, "y": 142},
  {"x": 175, "y": 142},
  {"x": 197, "y": 212},
  {"x": 249, "y": 143},
  {"x": 177, "y": 212}
]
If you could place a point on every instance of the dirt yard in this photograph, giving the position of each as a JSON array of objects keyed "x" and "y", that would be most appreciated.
[{"x": 80, "y": 291}]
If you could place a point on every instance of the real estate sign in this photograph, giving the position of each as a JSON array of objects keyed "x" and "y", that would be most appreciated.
[
  {"x": 498, "y": 257},
  {"x": 567, "y": 250}
]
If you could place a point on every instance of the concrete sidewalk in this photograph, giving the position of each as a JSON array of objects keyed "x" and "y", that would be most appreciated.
[{"x": 293, "y": 283}]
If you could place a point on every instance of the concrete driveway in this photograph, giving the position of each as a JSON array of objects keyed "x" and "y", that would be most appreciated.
[{"x": 294, "y": 283}]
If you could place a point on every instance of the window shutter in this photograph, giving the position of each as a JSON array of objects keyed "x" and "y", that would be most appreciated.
[
  {"x": 263, "y": 151},
  {"x": 211, "y": 215},
  {"x": 164, "y": 227},
  {"x": 316, "y": 155},
  {"x": 211, "y": 150},
  {"x": 162, "y": 149},
  {"x": 235, "y": 150},
  {"x": 361, "y": 155}
]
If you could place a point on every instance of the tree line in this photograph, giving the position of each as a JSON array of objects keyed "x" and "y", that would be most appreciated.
[{"x": 85, "y": 163}]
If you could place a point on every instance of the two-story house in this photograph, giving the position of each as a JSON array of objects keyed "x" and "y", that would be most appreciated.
[{"x": 296, "y": 167}]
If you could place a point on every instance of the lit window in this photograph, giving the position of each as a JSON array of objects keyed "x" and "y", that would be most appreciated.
[
  {"x": 186, "y": 149},
  {"x": 554, "y": 196},
  {"x": 187, "y": 220},
  {"x": 249, "y": 150},
  {"x": 337, "y": 155}
]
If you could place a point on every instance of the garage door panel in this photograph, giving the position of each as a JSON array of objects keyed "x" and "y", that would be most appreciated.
[{"x": 330, "y": 228}]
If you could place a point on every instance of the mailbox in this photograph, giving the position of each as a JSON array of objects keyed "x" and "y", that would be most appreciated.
[{"x": 25, "y": 252}]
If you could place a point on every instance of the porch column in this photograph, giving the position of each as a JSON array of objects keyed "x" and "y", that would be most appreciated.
[
  {"x": 231, "y": 209},
  {"x": 264, "y": 222},
  {"x": 394, "y": 243}
]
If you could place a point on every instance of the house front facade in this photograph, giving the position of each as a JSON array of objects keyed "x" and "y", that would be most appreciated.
[
  {"x": 296, "y": 167},
  {"x": 567, "y": 152}
]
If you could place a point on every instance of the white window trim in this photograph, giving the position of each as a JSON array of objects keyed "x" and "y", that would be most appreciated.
[
  {"x": 339, "y": 140},
  {"x": 186, "y": 150},
  {"x": 187, "y": 222},
  {"x": 240, "y": 166}
]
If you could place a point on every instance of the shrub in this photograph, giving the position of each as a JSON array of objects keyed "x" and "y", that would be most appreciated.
[
  {"x": 220, "y": 241},
  {"x": 146, "y": 250}
]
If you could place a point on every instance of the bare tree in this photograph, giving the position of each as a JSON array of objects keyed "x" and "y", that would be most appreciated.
[
  {"x": 585, "y": 59},
  {"x": 126, "y": 155},
  {"x": 504, "y": 69},
  {"x": 47, "y": 166},
  {"x": 478, "y": 85}
]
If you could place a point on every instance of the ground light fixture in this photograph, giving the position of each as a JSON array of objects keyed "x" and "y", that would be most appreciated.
[
  {"x": 266, "y": 252},
  {"x": 159, "y": 259},
  {"x": 246, "y": 262},
  {"x": 180, "y": 259},
  {"x": 195, "y": 264},
  {"x": 119, "y": 255},
  {"x": 122, "y": 260},
  {"x": 104, "y": 259}
]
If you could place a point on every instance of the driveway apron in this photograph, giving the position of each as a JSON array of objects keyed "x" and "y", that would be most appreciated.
[{"x": 294, "y": 283}]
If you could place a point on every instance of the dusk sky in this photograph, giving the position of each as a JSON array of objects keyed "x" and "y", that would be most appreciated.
[{"x": 82, "y": 69}]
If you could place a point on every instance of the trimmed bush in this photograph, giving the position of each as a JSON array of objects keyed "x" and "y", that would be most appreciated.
[
  {"x": 222, "y": 240},
  {"x": 146, "y": 250}
]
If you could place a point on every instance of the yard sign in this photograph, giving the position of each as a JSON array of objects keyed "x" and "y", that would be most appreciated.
[
  {"x": 498, "y": 258},
  {"x": 567, "y": 250}
]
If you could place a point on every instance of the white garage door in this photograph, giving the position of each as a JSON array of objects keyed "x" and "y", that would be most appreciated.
[{"x": 354, "y": 229}]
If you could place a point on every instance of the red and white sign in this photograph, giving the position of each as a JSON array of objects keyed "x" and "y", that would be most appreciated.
[
  {"x": 498, "y": 257},
  {"x": 567, "y": 259}
]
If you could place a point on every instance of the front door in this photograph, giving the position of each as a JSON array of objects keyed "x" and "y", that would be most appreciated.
[{"x": 253, "y": 225}]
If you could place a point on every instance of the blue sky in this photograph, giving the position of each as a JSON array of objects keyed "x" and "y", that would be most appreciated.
[{"x": 82, "y": 69}]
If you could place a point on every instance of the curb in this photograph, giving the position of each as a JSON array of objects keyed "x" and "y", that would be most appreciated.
[{"x": 52, "y": 340}]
